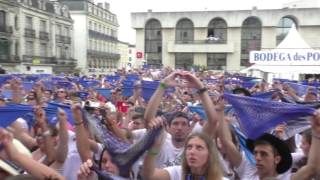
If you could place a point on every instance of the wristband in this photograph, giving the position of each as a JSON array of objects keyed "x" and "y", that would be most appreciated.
[
  {"x": 78, "y": 123},
  {"x": 202, "y": 90},
  {"x": 163, "y": 85},
  {"x": 153, "y": 152}
]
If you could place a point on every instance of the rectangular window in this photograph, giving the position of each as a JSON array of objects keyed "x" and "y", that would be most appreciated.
[
  {"x": 29, "y": 22},
  {"x": 29, "y": 48},
  {"x": 183, "y": 61},
  {"x": 2, "y": 19},
  {"x": 58, "y": 52},
  {"x": 43, "y": 50},
  {"x": 66, "y": 31},
  {"x": 59, "y": 30},
  {"x": 43, "y": 26},
  {"x": 16, "y": 22},
  {"x": 216, "y": 61},
  {"x": 66, "y": 53}
]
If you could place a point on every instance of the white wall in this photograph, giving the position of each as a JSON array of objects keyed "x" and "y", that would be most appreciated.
[{"x": 80, "y": 35}]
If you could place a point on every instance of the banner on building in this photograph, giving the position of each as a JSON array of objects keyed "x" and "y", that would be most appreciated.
[{"x": 285, "y": 57}]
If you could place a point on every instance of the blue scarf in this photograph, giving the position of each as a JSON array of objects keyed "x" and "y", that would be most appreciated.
[
  {"x": 122, "y": 153},
  {"x": 258, "y": 115}
]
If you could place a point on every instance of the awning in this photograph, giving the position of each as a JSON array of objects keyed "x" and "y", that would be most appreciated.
[{"x": 284, "y": 69}]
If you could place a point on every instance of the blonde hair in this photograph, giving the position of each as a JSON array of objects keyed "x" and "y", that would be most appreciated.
[{"x": 213, "y": 170}]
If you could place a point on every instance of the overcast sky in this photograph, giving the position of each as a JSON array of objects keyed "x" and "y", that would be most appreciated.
[{"x": 123, "y": 8}]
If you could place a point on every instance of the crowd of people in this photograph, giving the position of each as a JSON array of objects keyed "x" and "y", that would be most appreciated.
[{"x": 158, "y": 124}]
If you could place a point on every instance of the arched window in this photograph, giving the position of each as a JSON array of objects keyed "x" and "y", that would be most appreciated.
[
  {"x": 153, "y": 43},
  {"x": 184, "y": 35},
  {"x": 283, "y": 28},
  {"x": 184, "y": 31},
  {"x": 217, "y": 30},
  {"x": 250, "y": 38},
  {"x": 2, "y": 21}
]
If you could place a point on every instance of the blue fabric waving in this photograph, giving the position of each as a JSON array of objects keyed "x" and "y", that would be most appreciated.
[
  {"x": 104, "y": 92},
  {"x": 122, "y": 153},
  {"x": 258, "y": 115},
  {"x": 242, "y": 141},
  {"x": 299, "y": 88},
  {"x": 148, "y": 88},
  {"x": 199, "y": 110},
  {"x": 264, "y": 95},
  {"x": 12, "y": 112}
]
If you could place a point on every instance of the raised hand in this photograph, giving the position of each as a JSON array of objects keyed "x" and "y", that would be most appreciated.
[
  {"x": 62, "y": 115},
  {"x": 8, "y": 150},
  {"x": 315, "y": 121},
  {"x": 192, "y": 80},
  {"x": 171, "y": 81},
  {"x": 85, "y": 173},
  {"x": 77, "y": 113},
  {"x": 40, "y": 115}
]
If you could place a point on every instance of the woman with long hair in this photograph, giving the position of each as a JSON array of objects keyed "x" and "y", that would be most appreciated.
[{"x": 200, "y": 161}]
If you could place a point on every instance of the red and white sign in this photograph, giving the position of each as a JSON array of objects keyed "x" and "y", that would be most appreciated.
[{"x": 139, "y": 55}]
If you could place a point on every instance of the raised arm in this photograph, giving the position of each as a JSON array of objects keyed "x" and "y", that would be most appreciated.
[
  {"x": 20, "y": 134},
  {"x": 82, "y": 138},
  {"x": 15, "y": 85},
  {"x": 46, "y": 134},
  {"x": 211, "y": 125},
  {"x": 36, "y": 169},
  {"x": 312, "y": 166},
  {"x": 155, "y": 100},
  {"x": 149, "y": 169},
  {"x": 62, "y": 148},
  {"x": 232, "y": 153}
]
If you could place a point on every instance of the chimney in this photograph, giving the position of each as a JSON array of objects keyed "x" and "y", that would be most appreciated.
[
  {"x": 100, "y": 5},
  {"x": 107, "y": 6},
  {"x": 254, "y": 8},
  {"x": 149, "y": 10}
]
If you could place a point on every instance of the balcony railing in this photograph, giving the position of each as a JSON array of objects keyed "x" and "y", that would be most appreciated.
[
  {"x": 6, "y": 29},
  {"x": 208, "y": 41},
  {"x": 44, "y": 35},
  {"x": 59, "y": 39},
  {"x": 5, "y": 58},
  {"x": 200, "y": 46},
  {"x": 31, "y": 33},
  {"x": 63, "y": 39},
  {"x": 68, "y": 62},
  {"x": 38, "y": 60},
  {"x": 99, "y": 54},
  {"x": 67, "y": 39},
  {"x": 98, "y": 35}
]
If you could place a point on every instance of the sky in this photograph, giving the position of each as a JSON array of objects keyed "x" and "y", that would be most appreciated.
[{"x": 123, "y": 8}]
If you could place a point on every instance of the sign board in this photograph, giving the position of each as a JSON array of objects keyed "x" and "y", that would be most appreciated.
[
  {"x": 139, "y": 55},
  {"x": 285, "y": 57}
]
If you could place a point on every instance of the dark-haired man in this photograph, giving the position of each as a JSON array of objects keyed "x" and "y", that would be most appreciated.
[
  {"x": 178, "y": 123},
  {"x": 273, "y": 157}
]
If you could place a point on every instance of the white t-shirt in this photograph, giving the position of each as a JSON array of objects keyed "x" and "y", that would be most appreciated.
[
  {"x": 168, "y": 155},
  {"x": 248, "y": 171},
  {"x": 73, "y": 161},
  {"x": 175, "y": 173}
]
